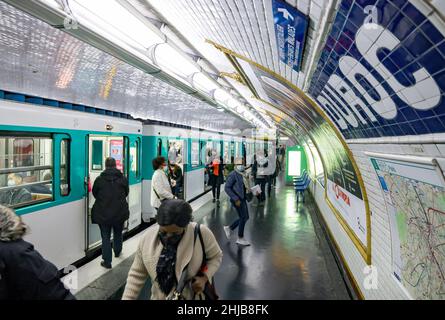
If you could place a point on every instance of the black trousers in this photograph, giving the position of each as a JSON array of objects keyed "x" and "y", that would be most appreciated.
[{"x": 216, "y": 190}]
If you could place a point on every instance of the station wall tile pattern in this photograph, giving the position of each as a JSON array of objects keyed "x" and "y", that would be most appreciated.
[{"x": 421, "y": 45}]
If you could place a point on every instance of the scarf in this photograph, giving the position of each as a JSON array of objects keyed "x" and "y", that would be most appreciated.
[{"x": 166, "y": 269}]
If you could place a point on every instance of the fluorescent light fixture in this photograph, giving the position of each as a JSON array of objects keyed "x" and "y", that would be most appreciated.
[
  {"x": 221, "y": 96},
  {"x": 53, "y": 4},
  {"x": 167, "y": 58},
  {"x": 284, "y": 138},
  {"x": 110, "y": 19},
  {"x": 202, "y": 82}
]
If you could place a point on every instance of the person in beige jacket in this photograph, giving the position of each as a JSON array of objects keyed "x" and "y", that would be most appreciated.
[{"x": 166, "y": 249}]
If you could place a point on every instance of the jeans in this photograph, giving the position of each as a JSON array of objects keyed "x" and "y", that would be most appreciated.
[
  {"x": 105, "y": 232},
  {"x": 216, "y": 191},
  {"x": 243, "y": 213}
]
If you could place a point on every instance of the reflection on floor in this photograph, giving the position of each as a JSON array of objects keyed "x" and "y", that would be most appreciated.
[{"x": 289, "y": 257}]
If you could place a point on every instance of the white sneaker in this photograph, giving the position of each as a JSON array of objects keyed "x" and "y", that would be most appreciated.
[
  {"x": 242, "y": 242},
  {"x": 228, "y": 232}
]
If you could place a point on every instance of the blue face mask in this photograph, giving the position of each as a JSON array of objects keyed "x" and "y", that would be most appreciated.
[{"x": 240, "y": 168}]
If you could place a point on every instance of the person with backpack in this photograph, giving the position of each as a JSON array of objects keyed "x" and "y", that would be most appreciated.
[{"x": 110, "y": 209}]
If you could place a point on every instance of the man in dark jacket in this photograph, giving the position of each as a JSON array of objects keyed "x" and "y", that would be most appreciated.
[
  {"x": 236, "y": 190},
  {"x": 110, "y": 209},
  {"x": 24, "y": 273}
]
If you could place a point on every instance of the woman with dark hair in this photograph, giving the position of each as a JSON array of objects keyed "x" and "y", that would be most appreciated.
[
  {"x": 169, "y": 251},
  {"x": 216, "y": 169},
  {"x": 24, "y": 273},
  {"x": 160, "y": 183}
]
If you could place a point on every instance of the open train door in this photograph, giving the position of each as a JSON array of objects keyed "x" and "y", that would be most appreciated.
[{"x": 98, "y": 149}]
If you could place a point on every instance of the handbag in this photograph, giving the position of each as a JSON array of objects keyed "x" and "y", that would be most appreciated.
[
  {"x": 209, "y": 289},
  {"x": 249, "y": 196}
]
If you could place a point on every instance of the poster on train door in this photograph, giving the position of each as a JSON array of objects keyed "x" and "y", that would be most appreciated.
[
  {"x": 414, "y": 195},
  {"x": 116, "y": 152}
]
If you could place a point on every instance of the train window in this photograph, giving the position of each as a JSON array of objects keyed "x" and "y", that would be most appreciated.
[
  {"x": 26, "y": 171},
  {"x": 64, "y": 167},
  {"x": 134, "y": 158},
  {"x": 159, "y": 147},
  {"x": 97, "y": 155}
]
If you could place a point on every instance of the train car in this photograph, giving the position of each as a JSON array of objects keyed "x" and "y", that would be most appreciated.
[{"x": 49, "y": 160}]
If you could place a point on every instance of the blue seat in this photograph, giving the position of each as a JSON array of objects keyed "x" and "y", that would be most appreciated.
[
  {"x": 15, "y": 97},
  {"x": 65, "y": 105},
  {"x": 301, "y": 184},
  {"x": 51, "y": 103}
]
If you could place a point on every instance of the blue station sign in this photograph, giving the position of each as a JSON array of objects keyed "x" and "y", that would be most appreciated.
[{"x": 290, "y": 31}]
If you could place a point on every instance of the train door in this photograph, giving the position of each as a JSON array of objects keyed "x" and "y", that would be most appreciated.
[
  {"x": 176, "y": 160},
  {"x": 99, "y": 148}
]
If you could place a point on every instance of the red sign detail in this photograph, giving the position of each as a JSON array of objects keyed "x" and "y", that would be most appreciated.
[{"x": 340, "y": 194}]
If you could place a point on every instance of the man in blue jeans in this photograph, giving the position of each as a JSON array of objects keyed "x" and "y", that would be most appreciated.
[
  {"x": 236, "y": 190},
  {"x": 110, "y": 210}
]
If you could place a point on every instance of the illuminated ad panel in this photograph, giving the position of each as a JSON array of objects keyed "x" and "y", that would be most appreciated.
[
  {"x": 382, "y": 70},
  {"x": 343, "y": 191}
]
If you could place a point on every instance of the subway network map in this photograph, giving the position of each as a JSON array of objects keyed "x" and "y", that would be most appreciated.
[{"x": 415, "y": 199}]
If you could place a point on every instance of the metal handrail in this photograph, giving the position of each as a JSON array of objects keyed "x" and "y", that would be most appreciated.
[
  {"x": 24, "y": 169},
  {"x": 25, "y": 185}
]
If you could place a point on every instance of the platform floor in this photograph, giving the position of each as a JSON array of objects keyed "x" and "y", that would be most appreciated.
[{"x": 289, "y": 258}]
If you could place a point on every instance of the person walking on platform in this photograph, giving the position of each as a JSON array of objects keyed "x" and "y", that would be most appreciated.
[
  {"x": 110, "y": 210},
  {"x": 236, "y": 190},
  {"x": 179, "y": 256},
  {"x": 277, "y": 172},
  {"x": 261, "y": 175},
  {"x": 24, "y": 273},
  {"x": 160, "y": 183},
  {"x": 216, "y": 169}
]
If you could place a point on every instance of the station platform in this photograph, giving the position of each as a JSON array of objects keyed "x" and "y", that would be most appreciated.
[{"x": 290, "y": 257}]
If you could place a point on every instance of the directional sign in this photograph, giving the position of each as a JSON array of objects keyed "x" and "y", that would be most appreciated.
[{"x": 290, "y": 31}]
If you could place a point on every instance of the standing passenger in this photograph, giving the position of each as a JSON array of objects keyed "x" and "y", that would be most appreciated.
[
  {"x": 110, "y": 210},
  {"x": 236, "y": 190},
  {"x": 160, "y": 183},
  {"x": 24, "y": 273},
  {"x": 216, "y": 170}
]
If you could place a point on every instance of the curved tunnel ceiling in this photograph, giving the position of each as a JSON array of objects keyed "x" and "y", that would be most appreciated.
[{"x": 40, "y": 60}]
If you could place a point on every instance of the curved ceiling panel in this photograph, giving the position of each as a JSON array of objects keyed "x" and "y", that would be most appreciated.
[
  {"x": 38, "y": 59},
  {"x": 344, "y": 187}
]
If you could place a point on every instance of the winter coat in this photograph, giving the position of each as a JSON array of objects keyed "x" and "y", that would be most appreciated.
[
  {"x": 234, "y": 187},
  {"x": 26, "y": 275},
  {"x": 111, "y": 191},
  {"x": 147, "y": 257},
  {"x": 160, "y": 183}
]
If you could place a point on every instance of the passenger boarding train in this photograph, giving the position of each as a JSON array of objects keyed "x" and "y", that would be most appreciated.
[{"x": 59, "y": 152}]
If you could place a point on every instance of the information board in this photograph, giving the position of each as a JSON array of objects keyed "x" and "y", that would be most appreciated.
[{"x": 415, "y": 199}]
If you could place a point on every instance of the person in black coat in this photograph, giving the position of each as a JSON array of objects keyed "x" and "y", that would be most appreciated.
[
  {"x": 110, "y": 210},
  {"x": 24, "y": 273}
]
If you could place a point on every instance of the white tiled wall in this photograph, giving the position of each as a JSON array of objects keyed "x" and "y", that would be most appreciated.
[{"x": 388, "y": 287}]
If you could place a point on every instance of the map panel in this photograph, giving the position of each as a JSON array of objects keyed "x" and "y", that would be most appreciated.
[{"x": 415, "y": 199}]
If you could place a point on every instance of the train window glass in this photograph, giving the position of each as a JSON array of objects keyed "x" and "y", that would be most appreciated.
[
  {"x": 26, "y": 170},
  {"x": 159, "y": 147},
  {"x": 195, "y": 154},
  {"x": 97, "y": 155},
  {"x": 134, "y": 158},
  {"x": 64, "y": 167}
]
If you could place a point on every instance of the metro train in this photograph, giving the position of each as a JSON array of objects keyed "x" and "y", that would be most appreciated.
[{"x": 57, "y": 150}]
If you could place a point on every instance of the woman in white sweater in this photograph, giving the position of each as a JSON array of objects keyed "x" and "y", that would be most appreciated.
[
  {"x": 160, "y": 185},
  {"x": 170, "y": 248}
]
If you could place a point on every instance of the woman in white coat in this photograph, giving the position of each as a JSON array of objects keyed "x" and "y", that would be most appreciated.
[
  {"x": 167, "y": 250},
  {"x": 160, "y": 184}
]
